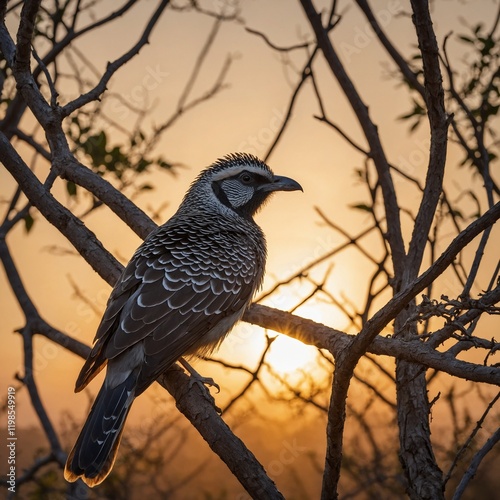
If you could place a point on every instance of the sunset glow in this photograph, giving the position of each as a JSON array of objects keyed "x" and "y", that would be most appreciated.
[
  {"x": 288, "y": 355},
  {"x": 345, "y": 337}
]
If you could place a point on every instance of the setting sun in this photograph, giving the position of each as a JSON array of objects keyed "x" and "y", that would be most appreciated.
[{"x": 289, "y": 355}]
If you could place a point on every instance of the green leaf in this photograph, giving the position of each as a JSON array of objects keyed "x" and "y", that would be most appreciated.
[
  {"x": 71, "y": 188},
  {"x": 478, "y": 28},
  {"x": 142, "y": 165},
  {"x": 362, "y": 206},
  {"x": 456, "y": 214},
  {"x": 28, "y": 222},
  {"x": 164, "y": 164},
  {"x": 95, "y": 147},
  {"x": 417, "y": 111}
]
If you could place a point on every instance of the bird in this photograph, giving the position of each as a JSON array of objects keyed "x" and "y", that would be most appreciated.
[{"x": 180, "y": 294}]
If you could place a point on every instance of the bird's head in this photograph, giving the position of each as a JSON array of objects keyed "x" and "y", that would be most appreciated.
[{"x": 240, "y": 183}]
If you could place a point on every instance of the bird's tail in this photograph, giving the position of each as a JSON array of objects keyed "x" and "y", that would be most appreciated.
[{"x": 95, "y": 450}]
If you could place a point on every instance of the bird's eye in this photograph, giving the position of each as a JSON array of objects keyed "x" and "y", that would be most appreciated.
[{"x": 246, "y": 178}]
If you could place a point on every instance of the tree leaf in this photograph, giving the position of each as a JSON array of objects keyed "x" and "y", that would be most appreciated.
[
  {"x": 362, "y": 206},
  {"x": 71, "y": 188},
  {"x": 466, "y": 39},
  {"x": 28, "y": 222}
]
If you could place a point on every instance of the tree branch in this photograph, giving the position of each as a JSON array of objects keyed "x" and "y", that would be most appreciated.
[
  {"x": 337, "y": 342},
  {"x": 70, "y": 226},
  {"x": 72, "y": 170},
  {"x": 394, "y": 234},
  {"x": 475, "y": 462},
  {"x": 203, "y": 415},
  {"x": 387, "y": 313},
  {"x": 403, "y": 66},
  {"x": 416, "y": 452},
  {"x": 114, "y": 66},
  {"x": 438, "y": 121}
]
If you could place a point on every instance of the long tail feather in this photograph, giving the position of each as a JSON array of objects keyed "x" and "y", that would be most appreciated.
[{"x": 95, "y": 450}]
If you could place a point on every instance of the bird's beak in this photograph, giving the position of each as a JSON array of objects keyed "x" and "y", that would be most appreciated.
[{"x": 281, "y": 183}]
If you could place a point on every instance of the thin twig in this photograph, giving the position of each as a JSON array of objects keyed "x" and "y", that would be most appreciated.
[
  {"x": 467, "y": 443},
  {"x": 114, "y": 66},
  {"x": 273, "y": 46},
  {"x": 474, "y": 464}
]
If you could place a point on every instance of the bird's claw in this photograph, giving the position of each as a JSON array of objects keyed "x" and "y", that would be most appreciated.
[{"x": 203, "y": 382}]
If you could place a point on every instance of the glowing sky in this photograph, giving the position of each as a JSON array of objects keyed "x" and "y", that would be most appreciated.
[{"x": 245, "y": 116}]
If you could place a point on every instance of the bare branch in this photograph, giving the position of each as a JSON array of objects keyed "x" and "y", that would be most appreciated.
[
  {"x": 475, "y": 462},
  {"x": 80, "y": 237},
  {"x": 403, "y": 66},
  {"x": 72, "y": 170},
  {"x": 114, "y": 66},
  {"x": 464, "y": 447},
  {"x": 306, "y": 73},
  {"x": 274, "y": 46},
  {"x": 338, "y": 342},
  {"x": 439, "y": 127},
  {"x": 394, "y": 235},
  {"x": 215, "y": 431}
]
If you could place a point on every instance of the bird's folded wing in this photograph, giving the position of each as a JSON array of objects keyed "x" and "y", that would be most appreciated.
[{"x": 170, "y": 300}]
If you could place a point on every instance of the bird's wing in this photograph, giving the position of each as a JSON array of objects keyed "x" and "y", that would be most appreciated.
[
  {"x": 176, "y": 288},
  {"x": 124, "y": 289}
]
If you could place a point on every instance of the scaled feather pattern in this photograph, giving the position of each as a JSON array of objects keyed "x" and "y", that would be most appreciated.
[{"x": 180, "y": 294}]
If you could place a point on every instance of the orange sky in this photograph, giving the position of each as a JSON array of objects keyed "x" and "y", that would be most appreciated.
[{"x": 243, "y": 117}]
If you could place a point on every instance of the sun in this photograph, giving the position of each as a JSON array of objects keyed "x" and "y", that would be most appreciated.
[
  {"x": 294, "y": 366},
  {"x": 288, "y": 356}
]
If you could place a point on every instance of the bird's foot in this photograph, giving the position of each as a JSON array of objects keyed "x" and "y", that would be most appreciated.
[{"x": 202, "y": 382}]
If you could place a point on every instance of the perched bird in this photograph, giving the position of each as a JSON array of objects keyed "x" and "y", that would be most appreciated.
[{"x": 180, "y": 294}]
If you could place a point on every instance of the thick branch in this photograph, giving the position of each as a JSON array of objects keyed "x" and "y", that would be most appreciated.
[
  {"x": 424, "y": 477},
  {"x": 385, "y": 315},
  {"x": 203, "y": 415},
  {"x": 70, "y": 226},
  {"x": 129, "y": 212},
  {"x": 336, "y": 341},
  {"x": 24, "y": 36},
  {"x": 19, "y": 58},
  {"x": 438, "y": 122}
]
